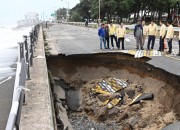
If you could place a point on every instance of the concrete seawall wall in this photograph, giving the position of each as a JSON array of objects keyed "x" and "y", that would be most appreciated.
[{"x": 37, "y": 113}]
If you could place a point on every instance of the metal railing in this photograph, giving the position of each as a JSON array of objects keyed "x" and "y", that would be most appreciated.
[{"x": 25, "y": 60}]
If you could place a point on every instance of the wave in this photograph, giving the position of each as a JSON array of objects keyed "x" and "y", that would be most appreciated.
[{"x": 10, "y": 37}]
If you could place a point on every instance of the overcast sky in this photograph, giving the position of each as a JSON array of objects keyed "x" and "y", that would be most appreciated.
[{"x": 13, "y": 10}]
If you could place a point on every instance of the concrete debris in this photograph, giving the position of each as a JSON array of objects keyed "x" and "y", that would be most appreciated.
[
  {"x": 62, "y": 116},
  {"x": 73, "y": 99},
  {"x": 133, "y": 120},
  {"x": 123, "y": 116},
  {"x": 60, "y": 108},
  {"x": 143, "y": 96},
  {"x": 109, "y": 92},
  {"x": 59, "y": 92}
]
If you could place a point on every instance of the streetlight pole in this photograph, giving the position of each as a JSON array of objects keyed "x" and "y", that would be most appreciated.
[
  {"x": 99, "y": 10},
  {"x": 99, "y": 20}
]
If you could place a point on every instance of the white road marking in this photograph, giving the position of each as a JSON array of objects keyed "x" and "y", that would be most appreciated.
[{"x": 6, "y": 80}]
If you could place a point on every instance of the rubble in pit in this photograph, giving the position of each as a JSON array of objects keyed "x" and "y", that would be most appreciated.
[{"x": 116, "y": 101}]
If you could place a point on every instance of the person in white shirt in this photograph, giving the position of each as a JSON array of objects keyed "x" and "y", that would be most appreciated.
[
  {"x": 162, "y": 36},
  {"x": 169, "y": 36},
  {"x": 120, "y": 32},
  {"x": 144, "y": 32},
  {"x": 152, "y": 32}
]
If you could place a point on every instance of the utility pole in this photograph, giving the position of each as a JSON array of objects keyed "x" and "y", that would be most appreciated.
[
  {"x": 99, "y": 9},
  {"x": 99, "y": 20}
]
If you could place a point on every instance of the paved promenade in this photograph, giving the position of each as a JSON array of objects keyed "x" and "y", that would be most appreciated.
[
  {"x": 69, "y": 40},
  {"x": 37, "y": 114}
]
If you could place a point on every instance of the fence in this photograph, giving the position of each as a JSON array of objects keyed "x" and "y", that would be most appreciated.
[
  {"x": 92, "y": 25},
  {"x": 25, "y": 60}
]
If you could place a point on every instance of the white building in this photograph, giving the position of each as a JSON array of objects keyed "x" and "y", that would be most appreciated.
[{"x": 31, "y": 19}]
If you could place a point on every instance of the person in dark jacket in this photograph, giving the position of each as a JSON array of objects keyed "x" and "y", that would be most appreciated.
[
  {"x": 138, "y": 34},
  {"x": 179, "y": 42},
  {"x": 101, "y": 33},
  {"x": 107, "y": 35}
]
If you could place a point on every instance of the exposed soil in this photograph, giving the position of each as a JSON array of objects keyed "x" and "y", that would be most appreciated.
[{"x": 84, "y": 71}]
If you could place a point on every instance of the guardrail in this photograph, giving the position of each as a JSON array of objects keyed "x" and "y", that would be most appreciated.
[
  {"x": 93, "y": 25},
  {"x": 25, "y": 60}
]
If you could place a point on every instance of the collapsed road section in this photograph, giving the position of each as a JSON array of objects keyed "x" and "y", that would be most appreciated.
[{"x": 112, "y": 91}]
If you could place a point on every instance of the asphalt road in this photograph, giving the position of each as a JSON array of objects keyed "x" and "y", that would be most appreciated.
[
  {"x": 69, "y": 40},
  {"x": 6, "y": 95}
]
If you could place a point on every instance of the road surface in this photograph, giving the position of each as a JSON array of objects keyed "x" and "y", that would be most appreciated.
[
  {"x": 6, "y": 94},
  {"x": 69, "y": 40}
]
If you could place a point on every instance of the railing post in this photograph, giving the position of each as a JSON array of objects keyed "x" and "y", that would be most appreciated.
[
  {"x": 21, "y": 50},
  {"x": 46, "y": 24},
  {"x": 31, "y": 49},
  {"x": 26, "y": 47},
  {"x": 27, "y": 57}
]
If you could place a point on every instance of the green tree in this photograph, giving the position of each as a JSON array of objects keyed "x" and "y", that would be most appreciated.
[
  {"x": 75, "y": 17},
  {"x": 124, "y": 8},
  {"x": 61, "y": 13}
]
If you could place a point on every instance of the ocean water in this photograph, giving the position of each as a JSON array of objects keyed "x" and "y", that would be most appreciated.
[{"x": 9, "y": 38}]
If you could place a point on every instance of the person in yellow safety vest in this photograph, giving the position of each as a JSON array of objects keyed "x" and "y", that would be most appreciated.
[
  {"x": 145, "y": 28},
  {"x": 179, "y": 42},
  {"x": 112, "y": 31},
  {"x": 120, "y": 32},
  {"x": 162, "y": 36},
  {"x": 152, "y": 32},
  {"x": 169, "y": 36}
]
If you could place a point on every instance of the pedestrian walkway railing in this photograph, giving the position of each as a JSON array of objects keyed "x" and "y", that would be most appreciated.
[
  {"x": 93, "y": 25},
  {"x": 25, "y": 60}
]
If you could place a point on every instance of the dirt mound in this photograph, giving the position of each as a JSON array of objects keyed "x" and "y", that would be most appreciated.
[{"x": 146, "y": 114}]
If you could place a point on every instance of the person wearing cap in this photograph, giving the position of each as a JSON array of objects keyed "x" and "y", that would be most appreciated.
[
  {"x": 138, "y": 34},
  {"x": 101, "y": 33},
  {"x": 169, "y": 36},
  {"x": 144, "y": 32},
  {"x": 112, "y": 31},
  {"x": 179, "y": 42},
  {"x": 120, "y": 32},
  {"x": 152, "y": 32},
  {"x": 162, "y": 36}
]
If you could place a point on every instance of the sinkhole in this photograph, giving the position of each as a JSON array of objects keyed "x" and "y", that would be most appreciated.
[{"x": 74, "y": 80}]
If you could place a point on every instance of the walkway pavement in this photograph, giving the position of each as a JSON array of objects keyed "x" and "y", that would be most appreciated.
[
  {"x": 37, "y": 114},
  {"x": 69, "y": 40}
]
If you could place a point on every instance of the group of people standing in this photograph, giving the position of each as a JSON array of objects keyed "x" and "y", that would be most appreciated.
[
  {"x": 141, "y": 31},
  {"x": 109, "y": 33}
]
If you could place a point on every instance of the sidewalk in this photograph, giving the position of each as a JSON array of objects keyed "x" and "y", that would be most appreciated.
[{"x": 37, "y": 113}]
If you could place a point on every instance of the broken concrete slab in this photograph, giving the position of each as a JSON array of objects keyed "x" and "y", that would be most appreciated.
[
  {"x": 60, "y": 93},
  {"x": 73, "y": 99},
  {"x": 62, "y": 115}
]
